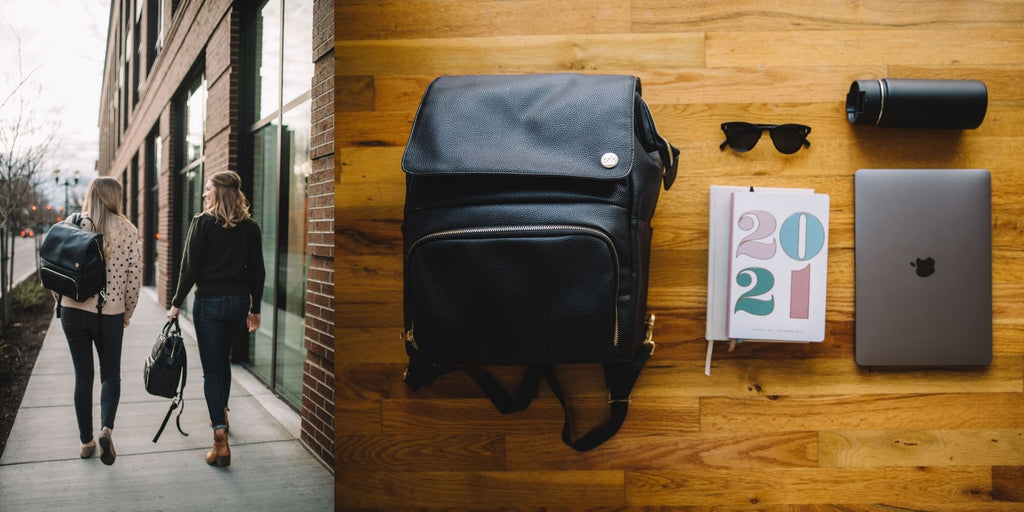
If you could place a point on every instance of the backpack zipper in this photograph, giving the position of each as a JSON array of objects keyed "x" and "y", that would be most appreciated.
[{"x": 498, "y": 230}]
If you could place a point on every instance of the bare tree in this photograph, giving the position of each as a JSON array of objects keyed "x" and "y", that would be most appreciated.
[{"x": 27, "y": 139}]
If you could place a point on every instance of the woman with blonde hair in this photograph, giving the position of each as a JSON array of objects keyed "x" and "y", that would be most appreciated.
[
  {"x": 223, "y": 259},
  {"x": 85, "y": 327}
]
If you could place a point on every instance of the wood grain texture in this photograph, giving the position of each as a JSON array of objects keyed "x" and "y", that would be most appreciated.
[
  {"x": 476, "y": 489},
  {"x": 777, "y": 427},
  {"x": 896, "y": 486},
  {"x": 921, "y": 448}
]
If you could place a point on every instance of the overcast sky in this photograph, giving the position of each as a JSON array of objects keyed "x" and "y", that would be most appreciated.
[{"x": 62, "y": 46}]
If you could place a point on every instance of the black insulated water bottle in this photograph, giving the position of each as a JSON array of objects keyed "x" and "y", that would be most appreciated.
[{"x": 915, "y": 103}]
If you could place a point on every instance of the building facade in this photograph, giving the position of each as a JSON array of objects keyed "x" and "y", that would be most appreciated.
[{"x": 193, "y": 87}]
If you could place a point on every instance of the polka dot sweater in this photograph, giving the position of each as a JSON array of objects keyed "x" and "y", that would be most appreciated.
[{"x": 124, "y": 272}]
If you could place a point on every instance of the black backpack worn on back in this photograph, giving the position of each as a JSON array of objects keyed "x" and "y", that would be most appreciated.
[
  {"x": 72, "y": 261},
  {"x": 527, "y": 232}
]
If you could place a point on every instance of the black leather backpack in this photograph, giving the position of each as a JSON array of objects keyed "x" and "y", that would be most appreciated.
[
  {"x": 527, "y": 232},
  {"x": 72, "y": 260}
]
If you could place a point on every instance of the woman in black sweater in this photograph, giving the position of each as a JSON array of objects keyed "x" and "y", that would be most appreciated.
[{"x": 223, "y": 259}]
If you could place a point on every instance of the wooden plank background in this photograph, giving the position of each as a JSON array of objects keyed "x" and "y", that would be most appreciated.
[{"x": 775, "y": 426}]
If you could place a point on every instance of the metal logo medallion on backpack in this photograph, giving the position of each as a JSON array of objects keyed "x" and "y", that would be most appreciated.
[{"x": 527, "y": 231}]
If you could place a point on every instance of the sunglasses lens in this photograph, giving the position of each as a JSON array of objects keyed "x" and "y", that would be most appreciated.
[
  {"x": 788, "y": 139},
  {"x": 742, "y": 137}
]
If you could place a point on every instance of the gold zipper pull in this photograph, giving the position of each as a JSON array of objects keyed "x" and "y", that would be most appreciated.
[{"x": 410, "y": 338}]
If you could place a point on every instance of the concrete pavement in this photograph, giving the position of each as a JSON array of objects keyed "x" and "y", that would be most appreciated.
[{"x": 40, "y": 468}]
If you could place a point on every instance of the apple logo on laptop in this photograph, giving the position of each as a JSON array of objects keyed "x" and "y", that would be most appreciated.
[{"x": 925, "y": 267}]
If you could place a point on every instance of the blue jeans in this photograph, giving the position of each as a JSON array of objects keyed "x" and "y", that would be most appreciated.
[
  {"x": 219, "y": 321},
  {"x": 80, "y": 329}
]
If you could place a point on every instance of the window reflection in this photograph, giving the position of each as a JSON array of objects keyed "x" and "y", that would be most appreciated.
[
  {"x": 195, "y": 114},
  {"x": 280, "y": 139},
  {"x": 268, "y": 58},
  {"x": 294, "y": 261},
  {"x": 298, "y": 48},
  {"x": 190, "y": 175},
  {"x": 265, "y": 199}
]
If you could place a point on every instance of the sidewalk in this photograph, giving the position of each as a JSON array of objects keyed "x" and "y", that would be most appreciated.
[{"x": 40, "y": 468}]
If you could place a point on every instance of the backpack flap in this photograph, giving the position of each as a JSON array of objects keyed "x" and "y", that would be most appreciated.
[
  {"x": 71, "y": 246},
  {"x": 560, "y": 125}
]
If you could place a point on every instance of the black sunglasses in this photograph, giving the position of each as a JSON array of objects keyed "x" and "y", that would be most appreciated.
[{"x": 742, "y": 137}]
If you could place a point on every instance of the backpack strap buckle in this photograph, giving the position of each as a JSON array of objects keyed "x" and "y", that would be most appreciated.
[
  {"x": 628, "y": 399},
  {"x": 649, "y": 338}
]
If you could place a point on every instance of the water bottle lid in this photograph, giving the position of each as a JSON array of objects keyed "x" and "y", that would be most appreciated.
[{"x": 865, "y": 102}]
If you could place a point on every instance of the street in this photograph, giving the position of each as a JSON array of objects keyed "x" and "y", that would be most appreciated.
[{"x": 24, "y": 257}]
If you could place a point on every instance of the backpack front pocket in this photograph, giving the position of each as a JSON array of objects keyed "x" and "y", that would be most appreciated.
[{"x": 513, "y": 294}]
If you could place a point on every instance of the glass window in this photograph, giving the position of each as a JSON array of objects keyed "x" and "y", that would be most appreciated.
[
  {"x": 136, "y": 63},
  {"x": 152, "y": 190},
  {"x": 280, "y": 141},
  {"x": 268, "y": 59},
  {"x": 297, "y": 69},
  {"x": 158, "y": 146},
  {"x": 190, "y": 176},
  {"x": 156, "y": 28},
  {"x": 124, "y": 185},
  {"x": 264, "y": 205},
  {"x": 129, "y": 189},
  {"x": 195, "y": 115},
  {"x": 294, "y": 260}
]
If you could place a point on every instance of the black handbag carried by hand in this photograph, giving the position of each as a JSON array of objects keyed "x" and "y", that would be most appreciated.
[
  {"x": 166, "y": 371},
  {"x": 527, "y": 232}
]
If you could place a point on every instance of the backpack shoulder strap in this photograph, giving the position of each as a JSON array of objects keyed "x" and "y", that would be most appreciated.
[
  {"x": 78, "y": 218},
  {"x": 619, "y": 377}
]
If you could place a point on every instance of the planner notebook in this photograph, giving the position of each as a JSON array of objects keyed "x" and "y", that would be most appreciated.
[
  {"x": 778, "y": 266},
  {"x": 767, "y": 265}
]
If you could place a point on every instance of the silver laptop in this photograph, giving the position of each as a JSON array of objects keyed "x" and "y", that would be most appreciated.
[{"x": 923, "y": 267}]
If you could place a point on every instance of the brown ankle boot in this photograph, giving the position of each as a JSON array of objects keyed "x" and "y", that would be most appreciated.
[{"x": 221, "y": 452}]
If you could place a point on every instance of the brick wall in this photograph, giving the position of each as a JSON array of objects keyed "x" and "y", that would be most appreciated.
[
  {"x": 223, "y": 103},
  {"x": 318, "y": 371}
]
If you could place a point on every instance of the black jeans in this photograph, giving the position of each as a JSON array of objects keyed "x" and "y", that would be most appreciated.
[
  {"x": 80, "y": 329},
  {"x": 219, "y": 322}
]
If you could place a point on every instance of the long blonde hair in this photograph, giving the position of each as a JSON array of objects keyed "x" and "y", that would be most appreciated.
[
  {"x": 228, "y": 203},
  {"x": 103, "y": 205}
]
